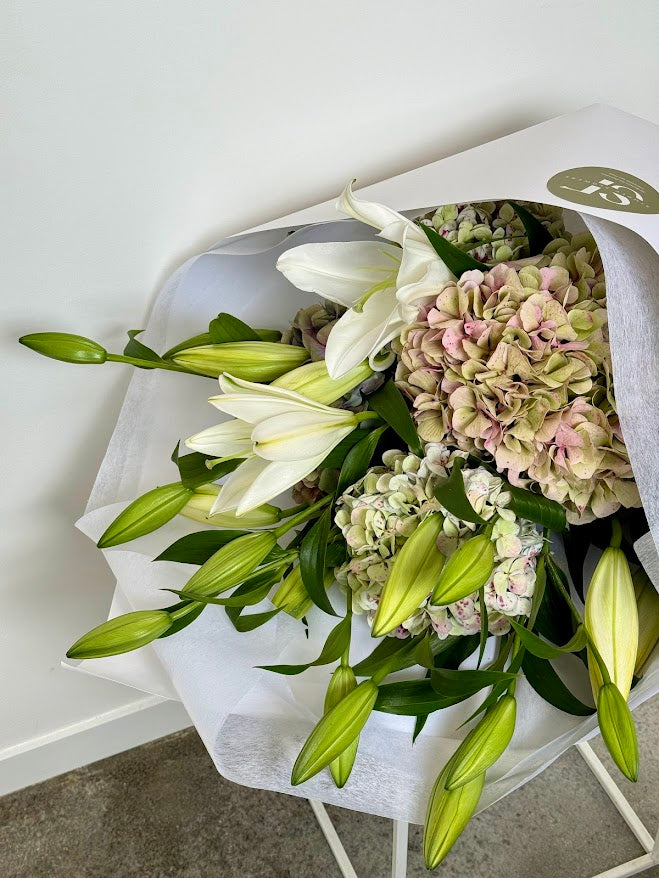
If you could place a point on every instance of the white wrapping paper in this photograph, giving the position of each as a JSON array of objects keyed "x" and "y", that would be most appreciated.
[{"x": 253, "y": 722}]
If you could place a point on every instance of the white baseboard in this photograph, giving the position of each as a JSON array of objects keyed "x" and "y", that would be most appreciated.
[{"x": 90, "y": 740}]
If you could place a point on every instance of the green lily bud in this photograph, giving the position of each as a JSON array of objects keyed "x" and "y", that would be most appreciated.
[
  {"x": 146, "y": 514},
  {"x": 201, "y": 502},
  {"x": 65, "y": 347},
  {"x": 121, "y": 634},
  {"x": 292, "y": 596},
  {"x": 467, "y": 569},
  {"x": 412, "y": 577},
  {"x": 448, "y": 813},
  {"x": 343, "y": 682},
  {"x": 611, "y": 619},
  {"x": 647, "y": 602},
  {"x": 335, "y": 732},
  {"x": 484, "y": 744},
  {"x": 231, "y": 564},
  {"x": 617, "y": 726},
  {"x": 250, "y": 360},
  {"x": 312, "y": 380}
]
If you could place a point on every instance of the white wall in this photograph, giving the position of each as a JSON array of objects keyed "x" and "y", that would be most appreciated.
[{"x": 140, "y": 132}]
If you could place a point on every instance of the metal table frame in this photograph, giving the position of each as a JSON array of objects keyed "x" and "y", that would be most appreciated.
[{"x": 640, "y": 864}]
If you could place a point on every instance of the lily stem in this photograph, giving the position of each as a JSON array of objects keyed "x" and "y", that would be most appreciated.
[
  {"x": 148, "y": 364},
  {"x": 304, "y": 515}
]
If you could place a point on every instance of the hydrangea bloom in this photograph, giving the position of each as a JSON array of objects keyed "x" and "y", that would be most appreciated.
[
  {"x": 491, "y": 231},
  {"x": 515, "y": 362},
  {"x": 378, "y": 513}
]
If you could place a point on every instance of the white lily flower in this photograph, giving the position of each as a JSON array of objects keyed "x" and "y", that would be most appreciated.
[
  {"x": 282, "y": 436},
  {"x": 381, "y": 285}
]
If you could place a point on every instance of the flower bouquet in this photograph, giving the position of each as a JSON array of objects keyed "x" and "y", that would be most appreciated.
[{"x": 441, "y": 416}]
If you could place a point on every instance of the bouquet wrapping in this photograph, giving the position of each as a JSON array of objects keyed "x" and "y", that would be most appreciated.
[{"x": 254, "y": 722}]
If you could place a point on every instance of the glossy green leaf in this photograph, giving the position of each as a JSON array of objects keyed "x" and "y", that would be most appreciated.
[
  {"x": 337, "y": 455},
  {"x": 411, "y": 698},
  {"x": 538, "y": 235},
  {"x": 542, "y": 649},
  {"x": 183, "y": 621},
  {"x": 138, "y": 350},
  {"x": 389, "y": 404},
  {"x": 538, "y": 589},
  {"x": 384, "y": 652},
  {"x": 455, "y": 259},
  {"x": 312, "y": 561},
  {"x": 554, "y": 618},
  {"x": 335, "y": 645},
  {"x": 197, "y": 548},
  {"x": 194, "y": 470},
  {"x": 534, "y": 507},
  {"x": 452, "y": 495},
  {"x": 546, "y": 682},
  {"x": 226, "y": 328},
  {"x": 358, "y": 459},
  {"x": 247, "y": 599},
  {"x": 253, "y": 620},
  {"x": 146, "y": 514},
  {"x": 462, "y": 684}
]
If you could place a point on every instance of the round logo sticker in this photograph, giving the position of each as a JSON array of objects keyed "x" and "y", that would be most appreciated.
[{"x": 606, "y": 188}]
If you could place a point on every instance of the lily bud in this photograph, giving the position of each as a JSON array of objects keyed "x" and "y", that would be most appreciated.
[
  {"x": 448, "y": 813},
  {"x": 611, "y": 619},
  {"x": 292, "y": 596},
  {"x": 343, "y": 682},
  {"x": 65, "y": 347},
  {"x": 647, "y": 602},
  {"x": 467, "y": 569},
  {"x": 146, "y": 514},
  {"x": 121, "y": 634},
  {"x": 618, "y": 733},
  {"x": 200, "y": 504},
  {"x": 484, "y": 744},
  {"x": 231, "y": 564},
  {"x": 412, "y": 577},
  {"x": 312, "y": 380},
  {"x": 249, "y": 360},
  {"x": 335, "y": 732}
]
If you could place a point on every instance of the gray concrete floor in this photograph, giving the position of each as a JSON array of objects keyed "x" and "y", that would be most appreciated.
[{"x": 162, "y": 811}]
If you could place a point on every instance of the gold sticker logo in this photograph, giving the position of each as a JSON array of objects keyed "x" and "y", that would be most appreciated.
[{"x": 605, "y": 188}]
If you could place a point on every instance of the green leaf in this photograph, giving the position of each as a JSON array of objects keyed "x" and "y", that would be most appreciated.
[
  {"x": 312, "y": 561},
  {"x": 453, "y": 650},
  {"x": 337, "y": 455},
  {"x": 546, "y": 682},
  {"x": 536, "y": 508},
  {"x": 452, "y": 495},
  {"x": 419, "y": 723},
  {"x": 140, "y": 351},
  {"x": 538, "y": 588},
  {"x": 456, "y": 260},
  {"x": 248, "y": 599},
  {"x": 146, "y": 514},
  {"x": 537, "y": 234},
  {"x": 542, "y": 649},
  {"x": 358, "y": 460},
  {"x": 411, "y": 698},
  {"x": 196, "y": 341},
  {"x": 194, "y": 471},
  {"x": 384, "y": 651},
  {"x": 335, "y": 645},
  {"x": 225, "y": 328},
  {"x": 554, "y": 619},
  {"x": 198, "y": 547},
  {"x": 253, "y": 620},
  {"x": 462, "y": 684},
  {"x": 388, "y": 402},
  {"x": 185, "y": 620}
]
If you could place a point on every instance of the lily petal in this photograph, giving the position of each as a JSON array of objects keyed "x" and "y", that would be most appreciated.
[
  {"x": 341, "y": 272},
  {"x": 222, "y": 440},
  {"x": 238, "y": 483},
  {"x": 357, "y": 335},
  {"x": 302, "y": 434},
  {"x": 373, "y": 214},
  {"x": 275, "y": 478}
]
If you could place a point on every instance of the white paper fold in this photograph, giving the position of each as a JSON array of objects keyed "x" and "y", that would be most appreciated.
[{"x": 252, "y": 722}]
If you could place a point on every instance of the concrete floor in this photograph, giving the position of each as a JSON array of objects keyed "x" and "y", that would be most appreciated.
[{"x": 162, "y": 811}]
